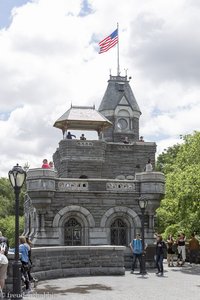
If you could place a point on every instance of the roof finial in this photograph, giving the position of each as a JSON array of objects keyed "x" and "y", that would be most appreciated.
[{"x": 125, "y": 71}]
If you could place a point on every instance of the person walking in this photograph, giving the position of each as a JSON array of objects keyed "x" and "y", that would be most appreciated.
[
  {"x": 193, "y": 249},
  {"x": 23, "y": 250},
  {"x": 160, "y": 251},
  {"x": 181, "y": 249},
  {"x": 170, "y": 251},
  {"x": 137, "y": 251},
  {"x": 3, "y": 268},
  {"x": 4, "y": 243}
]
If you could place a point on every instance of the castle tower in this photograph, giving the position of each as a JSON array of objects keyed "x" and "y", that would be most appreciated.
[
  {"x": 120, "y": 107},
  {"x": 92, "y": 197}
]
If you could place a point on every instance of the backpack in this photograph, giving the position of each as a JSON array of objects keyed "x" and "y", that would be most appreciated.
[{"x": 137, "y": 246}]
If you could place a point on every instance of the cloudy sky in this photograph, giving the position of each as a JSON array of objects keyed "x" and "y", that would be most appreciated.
[{"x": 49, "y": 59}]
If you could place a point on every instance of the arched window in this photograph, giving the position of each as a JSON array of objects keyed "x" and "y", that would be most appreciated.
[
  {"x": 118, "y": 233},
  {"x": 72, "y": 233}
]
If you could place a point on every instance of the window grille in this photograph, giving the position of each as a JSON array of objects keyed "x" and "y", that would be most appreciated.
[
  {"x": 72, "y": 233},
  {"x": 118, "y": 233}
]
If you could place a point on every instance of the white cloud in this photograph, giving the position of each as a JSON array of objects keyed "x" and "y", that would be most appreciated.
[{"x": 49, "y": 60}]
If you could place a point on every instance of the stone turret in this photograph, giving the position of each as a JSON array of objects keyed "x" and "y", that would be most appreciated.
[
  {"x": 82, "y": 158},
  {"x": 120, "y": 107}
]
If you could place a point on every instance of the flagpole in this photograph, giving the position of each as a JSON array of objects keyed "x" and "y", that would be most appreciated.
[{"x": 118, "y": 69}]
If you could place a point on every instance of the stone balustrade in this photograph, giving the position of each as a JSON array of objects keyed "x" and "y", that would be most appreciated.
[
  {"x": 66, "y": 185},
  {"x": 41, "y": 173},
  {"x": 47, "y": 180},
  {"x": 85, "y": 143},
  {"x": 120, "y": 186}
]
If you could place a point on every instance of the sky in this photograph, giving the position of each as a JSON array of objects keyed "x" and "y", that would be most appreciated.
[{"x": 49, "y": 60}]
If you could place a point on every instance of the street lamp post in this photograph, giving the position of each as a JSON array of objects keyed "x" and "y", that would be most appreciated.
[
  {"x": 143, "y": 204},
  {"x": 17, "y": 177}
]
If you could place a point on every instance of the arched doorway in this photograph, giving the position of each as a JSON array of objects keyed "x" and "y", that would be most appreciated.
[
  {"x": 72, "y": 233},
  {"x": 118, "y": 230}
]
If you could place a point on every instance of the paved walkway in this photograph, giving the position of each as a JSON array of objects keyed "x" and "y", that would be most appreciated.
[{"x": 176, "y": 284}]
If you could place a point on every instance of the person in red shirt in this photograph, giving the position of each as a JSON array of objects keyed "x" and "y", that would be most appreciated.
[{"x": 45, "y": 164}]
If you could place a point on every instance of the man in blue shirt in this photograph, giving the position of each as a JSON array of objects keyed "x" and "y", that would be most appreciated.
[{"x": 136, "y": 248}]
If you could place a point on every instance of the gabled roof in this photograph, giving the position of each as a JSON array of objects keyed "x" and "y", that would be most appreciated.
[
  {"x": 118, "y": 87},
  {"x": 82, "y": 118}
]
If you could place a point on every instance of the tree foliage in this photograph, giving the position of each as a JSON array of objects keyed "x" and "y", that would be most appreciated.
[
  {"x": 7, "y": 210},
  {"x": 7, "y": 199},
  {"x": 166, "y": 159},
  {"x": 7, "y": 226},
  {"x": 180, "y": 209}
]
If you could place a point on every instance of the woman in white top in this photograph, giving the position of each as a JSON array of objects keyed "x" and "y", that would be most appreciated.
[{"x": 149, "y": 167}]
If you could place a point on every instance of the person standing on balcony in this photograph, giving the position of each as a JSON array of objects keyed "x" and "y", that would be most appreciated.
[
  {"x": 45, "y": 164},
  {"x": 148, "y": 167},
  {"x": 69, "y": 136},
  {"x": 82, "y": 137},
  {"x": 126, "y": 140},
  {"x": 51, "y": 166}
]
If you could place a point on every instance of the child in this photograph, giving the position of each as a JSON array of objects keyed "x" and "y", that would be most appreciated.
[{"x": 45, "y": 164}]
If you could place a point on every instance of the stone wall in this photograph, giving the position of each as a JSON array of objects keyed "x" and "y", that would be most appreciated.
[
  {"x": 75, "y": 158},
  {"x": 127, "y": 159},
  {"x": 56, "y": 262},
  {"x": 98, "y": 159},
  {"x": 95, "y": 203}
]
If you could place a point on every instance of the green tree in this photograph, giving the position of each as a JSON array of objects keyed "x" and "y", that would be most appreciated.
[
  {"x": 189, "y": 154},
  {"x": 7, "y": 227},
  {"x": 7, "y": 198},
  {"x": 180, "y": 209},
  {"x": 165, "y": 161},
  {"x": 7, "y": 210}
]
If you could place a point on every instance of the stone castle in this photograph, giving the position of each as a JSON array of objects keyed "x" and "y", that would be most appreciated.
[{"x": 91, "y": 198}]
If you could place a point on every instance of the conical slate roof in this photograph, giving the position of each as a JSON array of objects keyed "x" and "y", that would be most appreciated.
[{"x": 118, "y": 87}]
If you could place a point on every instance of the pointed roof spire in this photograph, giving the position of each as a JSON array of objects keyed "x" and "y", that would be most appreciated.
[{"x": 118, "y": 88}]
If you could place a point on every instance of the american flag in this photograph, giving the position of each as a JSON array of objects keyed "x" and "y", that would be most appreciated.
[{"x": 109, "y": 42}]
